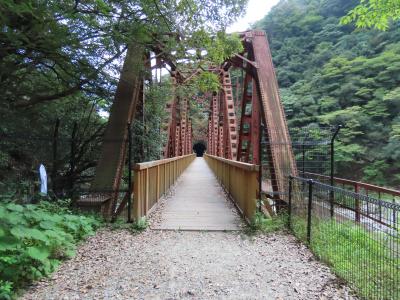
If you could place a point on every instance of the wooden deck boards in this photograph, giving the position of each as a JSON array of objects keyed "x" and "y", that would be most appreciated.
[{"x": 199, "y": 203}]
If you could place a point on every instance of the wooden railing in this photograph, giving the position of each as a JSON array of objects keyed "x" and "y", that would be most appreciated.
[
  {"x": 153, "y": 179},
  {"x": 240, "y": 181}
]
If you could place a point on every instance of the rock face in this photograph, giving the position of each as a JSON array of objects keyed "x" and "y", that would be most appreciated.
[{"x": 199, "y": 265}]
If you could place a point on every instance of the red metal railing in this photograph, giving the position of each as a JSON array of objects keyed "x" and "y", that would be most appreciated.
[
  {"x": 367, "y": 189},
  {"x": 357, "y": 186}
]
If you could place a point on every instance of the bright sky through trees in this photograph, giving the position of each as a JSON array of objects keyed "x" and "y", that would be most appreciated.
[{"x": 256, "y": 10}]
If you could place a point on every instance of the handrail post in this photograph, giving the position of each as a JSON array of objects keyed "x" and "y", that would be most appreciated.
[
  {"x": 146, "y": 204},
  {"x": 158, "y": 183}
]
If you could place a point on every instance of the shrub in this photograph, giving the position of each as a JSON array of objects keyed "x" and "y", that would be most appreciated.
[
  {"x": 260, "y": 222},
  {"x": 140, "y": 224},
  {"x": 35, "y": 238}
]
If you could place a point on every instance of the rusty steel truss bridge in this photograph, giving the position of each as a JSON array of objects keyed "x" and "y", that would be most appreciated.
[{"x": 235, "y": 130}]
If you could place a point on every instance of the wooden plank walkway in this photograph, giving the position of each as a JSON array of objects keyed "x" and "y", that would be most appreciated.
[{"x": 199, "y": 203}]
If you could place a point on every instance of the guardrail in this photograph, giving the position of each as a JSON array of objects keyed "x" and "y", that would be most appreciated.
[
  {"x": 240, "y": 181},
  {"x": 153, "y": 179},
  {"x": 359, "y": 187}
]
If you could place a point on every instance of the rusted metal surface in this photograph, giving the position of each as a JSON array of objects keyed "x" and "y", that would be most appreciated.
[
  {"x": 189, "y": 135},
  {"x": 357, "y": 186},
  {"x": 229, "y": 133},
  {"x": 259, "y": 64},
  {"x": 223, "y": 137},
  {"x": 179, "y": 129},
  {"x": 177, "y": 140},
  {"x": 249, "y": 133},
  {"x": 214, "y": 122},
  {"x": 110, "y": 165},
  {"x": 183, "y": 126},
  {"x": 169, "y": 149}
]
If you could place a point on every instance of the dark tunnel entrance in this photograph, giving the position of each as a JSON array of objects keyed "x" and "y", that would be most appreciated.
[{"x": 199, "y": 147}]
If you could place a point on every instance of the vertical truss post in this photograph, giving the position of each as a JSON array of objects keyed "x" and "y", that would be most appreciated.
[
  {"x": 214, "y": 114},
  {"x": 221, "y": 124},
  {"x": 177, "y": 140},
  {"x": 245, "y": 120},
  {"x": 229, "y": 133},
  {"x": 209, "y": 135},
  {"x": 255, "y": 134},
  {"x": 169, "y": 150},
  {"x": 183, "y": 127},
  {"x": 189, "y": 135}
]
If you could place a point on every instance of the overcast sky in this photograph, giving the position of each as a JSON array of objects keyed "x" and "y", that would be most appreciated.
[{"x": 256, "y": 10}]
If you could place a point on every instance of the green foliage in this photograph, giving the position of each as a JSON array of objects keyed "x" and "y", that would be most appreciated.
[
  {"x": 35, "y": 238},
  {"x": 260, "y": 222},
  {"x": 137, "y": 226},
  {"x": 332, "y": 74},
  {"x": 373, "y": 13},
  {"x": 148, "y": 136},
  {"x": 56, "y": 49},
  {"x": 207, "y": 82},
  {"x": 140, "y": 224},
  {"x": 354, "y": 254},
  {"x": 222, "y": 47},
  {"x": 61, "y": 59},
  {"x": 6, "y": 290}
]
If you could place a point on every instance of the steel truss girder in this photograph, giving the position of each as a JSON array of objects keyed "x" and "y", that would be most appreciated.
[
  {"x": 278, "y": 143},
  {"x": 249, "y": 132},
  {"x": 171, "y": 108},
  {"x": 214, "y": 115},
  {"x": 228, "y": 132}
]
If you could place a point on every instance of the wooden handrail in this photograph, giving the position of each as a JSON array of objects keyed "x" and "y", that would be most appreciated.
[
  {"x": 240, "y": 181},
  {"x": 154, "y": 163},
  {"x": 153, "y": 179},
  {"x": 238, "y": 164},
  {"x": 357, "y": 184}
]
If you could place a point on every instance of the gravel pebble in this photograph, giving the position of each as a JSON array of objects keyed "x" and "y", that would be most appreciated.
[{"x": 190, "y": 265}]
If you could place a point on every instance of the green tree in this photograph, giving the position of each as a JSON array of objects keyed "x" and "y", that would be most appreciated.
[
  {"x": 333, "y": 74},
  {"x": 373, "y": 13}
]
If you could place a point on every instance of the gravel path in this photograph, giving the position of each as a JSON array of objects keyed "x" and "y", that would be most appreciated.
[{"x": 197, "y": 265}]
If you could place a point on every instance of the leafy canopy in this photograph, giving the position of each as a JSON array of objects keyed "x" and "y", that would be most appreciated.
[{"x": 373, "y": 14}]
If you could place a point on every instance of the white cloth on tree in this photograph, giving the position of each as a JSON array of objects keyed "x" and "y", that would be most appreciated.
[{"x": 43, "y": 179}]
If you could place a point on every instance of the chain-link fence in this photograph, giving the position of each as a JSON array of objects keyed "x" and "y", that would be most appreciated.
[{"x": 313, "y": 151}]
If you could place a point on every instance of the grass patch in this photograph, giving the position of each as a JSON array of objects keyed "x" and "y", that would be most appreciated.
[
  {"x": 34, "y": 239},
  {"x": 261, "y": 223},
  {"x": 362, "y": 258},
  {"x": 137, "y": 226},
  {"x": 140, "y": 224}
]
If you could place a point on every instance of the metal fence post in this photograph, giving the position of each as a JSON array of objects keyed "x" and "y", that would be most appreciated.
[
  {"x": 129, "y": 173},
  {"x": 290, "y": 202},
  {"x": 303, "y": 163},
  {"x": 72, "y": 160},
  {"x": 309, "y": 208},
  {"x": 55, "y": 152},
  {"x": 332, "y": 182}
]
